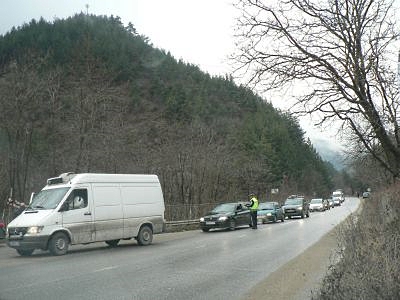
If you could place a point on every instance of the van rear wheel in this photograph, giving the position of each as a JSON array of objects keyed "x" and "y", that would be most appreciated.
[
  {"x": 112, "y": 243},
  {"x": 145, "y": 236},
  {"x": 58, "y": 244}
]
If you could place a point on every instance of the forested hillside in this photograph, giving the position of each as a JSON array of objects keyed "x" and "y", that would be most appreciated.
[{"x": 87, "y": 94}]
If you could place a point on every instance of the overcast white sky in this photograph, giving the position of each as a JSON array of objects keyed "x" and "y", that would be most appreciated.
[{"x": 199, "y": 32}]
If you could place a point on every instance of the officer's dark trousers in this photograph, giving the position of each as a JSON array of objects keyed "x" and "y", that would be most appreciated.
[{"x": 253, "y": 214}]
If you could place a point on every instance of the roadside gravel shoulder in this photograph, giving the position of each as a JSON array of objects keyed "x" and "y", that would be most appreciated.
[{"x": 300, "y": 276}]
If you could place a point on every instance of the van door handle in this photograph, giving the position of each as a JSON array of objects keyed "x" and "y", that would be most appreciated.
[{"x": 87, "y": 213}]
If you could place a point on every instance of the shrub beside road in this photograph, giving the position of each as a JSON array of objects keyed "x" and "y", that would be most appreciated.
[{"x": 370, "y": 252}]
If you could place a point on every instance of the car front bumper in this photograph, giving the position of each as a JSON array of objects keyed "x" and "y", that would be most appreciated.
[
  {"x": 317, "y": 208},
  {"x": 265, "y": 218},
  {"x": 28, "y": 242},
  {"x": 293, "y": 213},
  {"x": 215, "y": 224}
]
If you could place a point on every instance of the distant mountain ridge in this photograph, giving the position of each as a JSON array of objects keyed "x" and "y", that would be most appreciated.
[{"x": 329, "y": 153}]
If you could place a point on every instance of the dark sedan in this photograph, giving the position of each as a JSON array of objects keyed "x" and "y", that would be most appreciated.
[
  {"x": 270, "y": 212},
  {"x": 226, "y": 215}
]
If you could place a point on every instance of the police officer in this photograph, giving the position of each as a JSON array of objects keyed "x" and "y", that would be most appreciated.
[{"x": 253, "y": 206}]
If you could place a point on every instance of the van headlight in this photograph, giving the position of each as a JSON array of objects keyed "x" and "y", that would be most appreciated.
[
  {"x": 300, "y": 208},
  {"x": 34, "y": 229},
  {"x": 223, "y": 218},
  {"x": 201, "y": 219}
]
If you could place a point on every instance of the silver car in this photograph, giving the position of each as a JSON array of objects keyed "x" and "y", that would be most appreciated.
[{"x": 317, "y": 204}]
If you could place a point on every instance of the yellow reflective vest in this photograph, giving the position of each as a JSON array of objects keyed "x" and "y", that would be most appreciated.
[{"x": 255, "y": 203}]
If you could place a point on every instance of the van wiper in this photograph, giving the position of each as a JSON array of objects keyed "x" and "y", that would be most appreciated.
[{"x": 29, "y": 208}]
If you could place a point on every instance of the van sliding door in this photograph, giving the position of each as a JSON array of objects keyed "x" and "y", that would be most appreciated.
[{"x": 108, "y": 220}]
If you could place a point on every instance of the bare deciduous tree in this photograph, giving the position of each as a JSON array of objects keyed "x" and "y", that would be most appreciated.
[
  {"x": 343, "y": 54},
  {"x": 22, "y": 108}
]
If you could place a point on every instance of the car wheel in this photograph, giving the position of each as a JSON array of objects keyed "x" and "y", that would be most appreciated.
[
  {"x": 205, "y": 229},
  {"x": 112, "y": 243},
  {"x": 58, "y": 244},
  {"x": 232, "y": 224},
  {"x": 25, "y": 252},
  {"x": 145, "y": 236}
]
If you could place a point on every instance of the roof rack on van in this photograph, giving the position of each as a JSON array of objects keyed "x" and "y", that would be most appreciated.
[{"x": 64, "y": 177}]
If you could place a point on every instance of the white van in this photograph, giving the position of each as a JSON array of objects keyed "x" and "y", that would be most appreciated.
[
  {"x": 338, "y": 197},
  {"x": 86, "y": 208}
]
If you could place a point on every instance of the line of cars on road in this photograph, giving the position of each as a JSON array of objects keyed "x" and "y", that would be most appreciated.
[{"x": 236, "y": 214}]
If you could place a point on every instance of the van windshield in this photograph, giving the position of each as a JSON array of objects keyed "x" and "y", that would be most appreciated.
[{"x": 48, "y": 199}]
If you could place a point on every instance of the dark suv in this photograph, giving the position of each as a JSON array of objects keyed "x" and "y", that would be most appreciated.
[{"x": 296, "y": 206}]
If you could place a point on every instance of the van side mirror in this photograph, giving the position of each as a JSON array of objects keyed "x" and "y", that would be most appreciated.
[{"x": 32, "y": 196}]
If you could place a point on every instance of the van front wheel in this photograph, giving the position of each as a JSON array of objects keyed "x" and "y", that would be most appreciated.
[
  {"x": 145, "y": 236},
  {"x": 58, "y": 244}
]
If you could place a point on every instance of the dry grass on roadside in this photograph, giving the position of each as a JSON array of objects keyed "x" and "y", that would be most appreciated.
[{"x": 369, "y": 251}]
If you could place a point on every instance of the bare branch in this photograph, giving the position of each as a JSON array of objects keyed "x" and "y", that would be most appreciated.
[{"x": 342, "y": 50}]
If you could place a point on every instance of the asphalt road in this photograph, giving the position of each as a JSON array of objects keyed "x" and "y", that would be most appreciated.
[{"x": 186, "y": 265}]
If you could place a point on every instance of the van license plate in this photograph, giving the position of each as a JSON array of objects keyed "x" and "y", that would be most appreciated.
[
  {"x": 210, "y": 223},
  {"x": 14, "y": 243}
]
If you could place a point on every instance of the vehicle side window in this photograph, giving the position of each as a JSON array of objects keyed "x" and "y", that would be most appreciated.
[{"x": 77, "y": 199}]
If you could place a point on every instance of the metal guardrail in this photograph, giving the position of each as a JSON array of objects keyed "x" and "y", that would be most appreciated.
[{"x": 181, "y": 223}]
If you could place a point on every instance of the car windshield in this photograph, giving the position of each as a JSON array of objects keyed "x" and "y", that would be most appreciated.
[
  {"x": 293, "y": 201},
  {"x": 224, "y": 208},
  {"x": 48, "y": 199},
  {"x": 265, "y": 206},
  {"x": 316, "y": 201}
]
